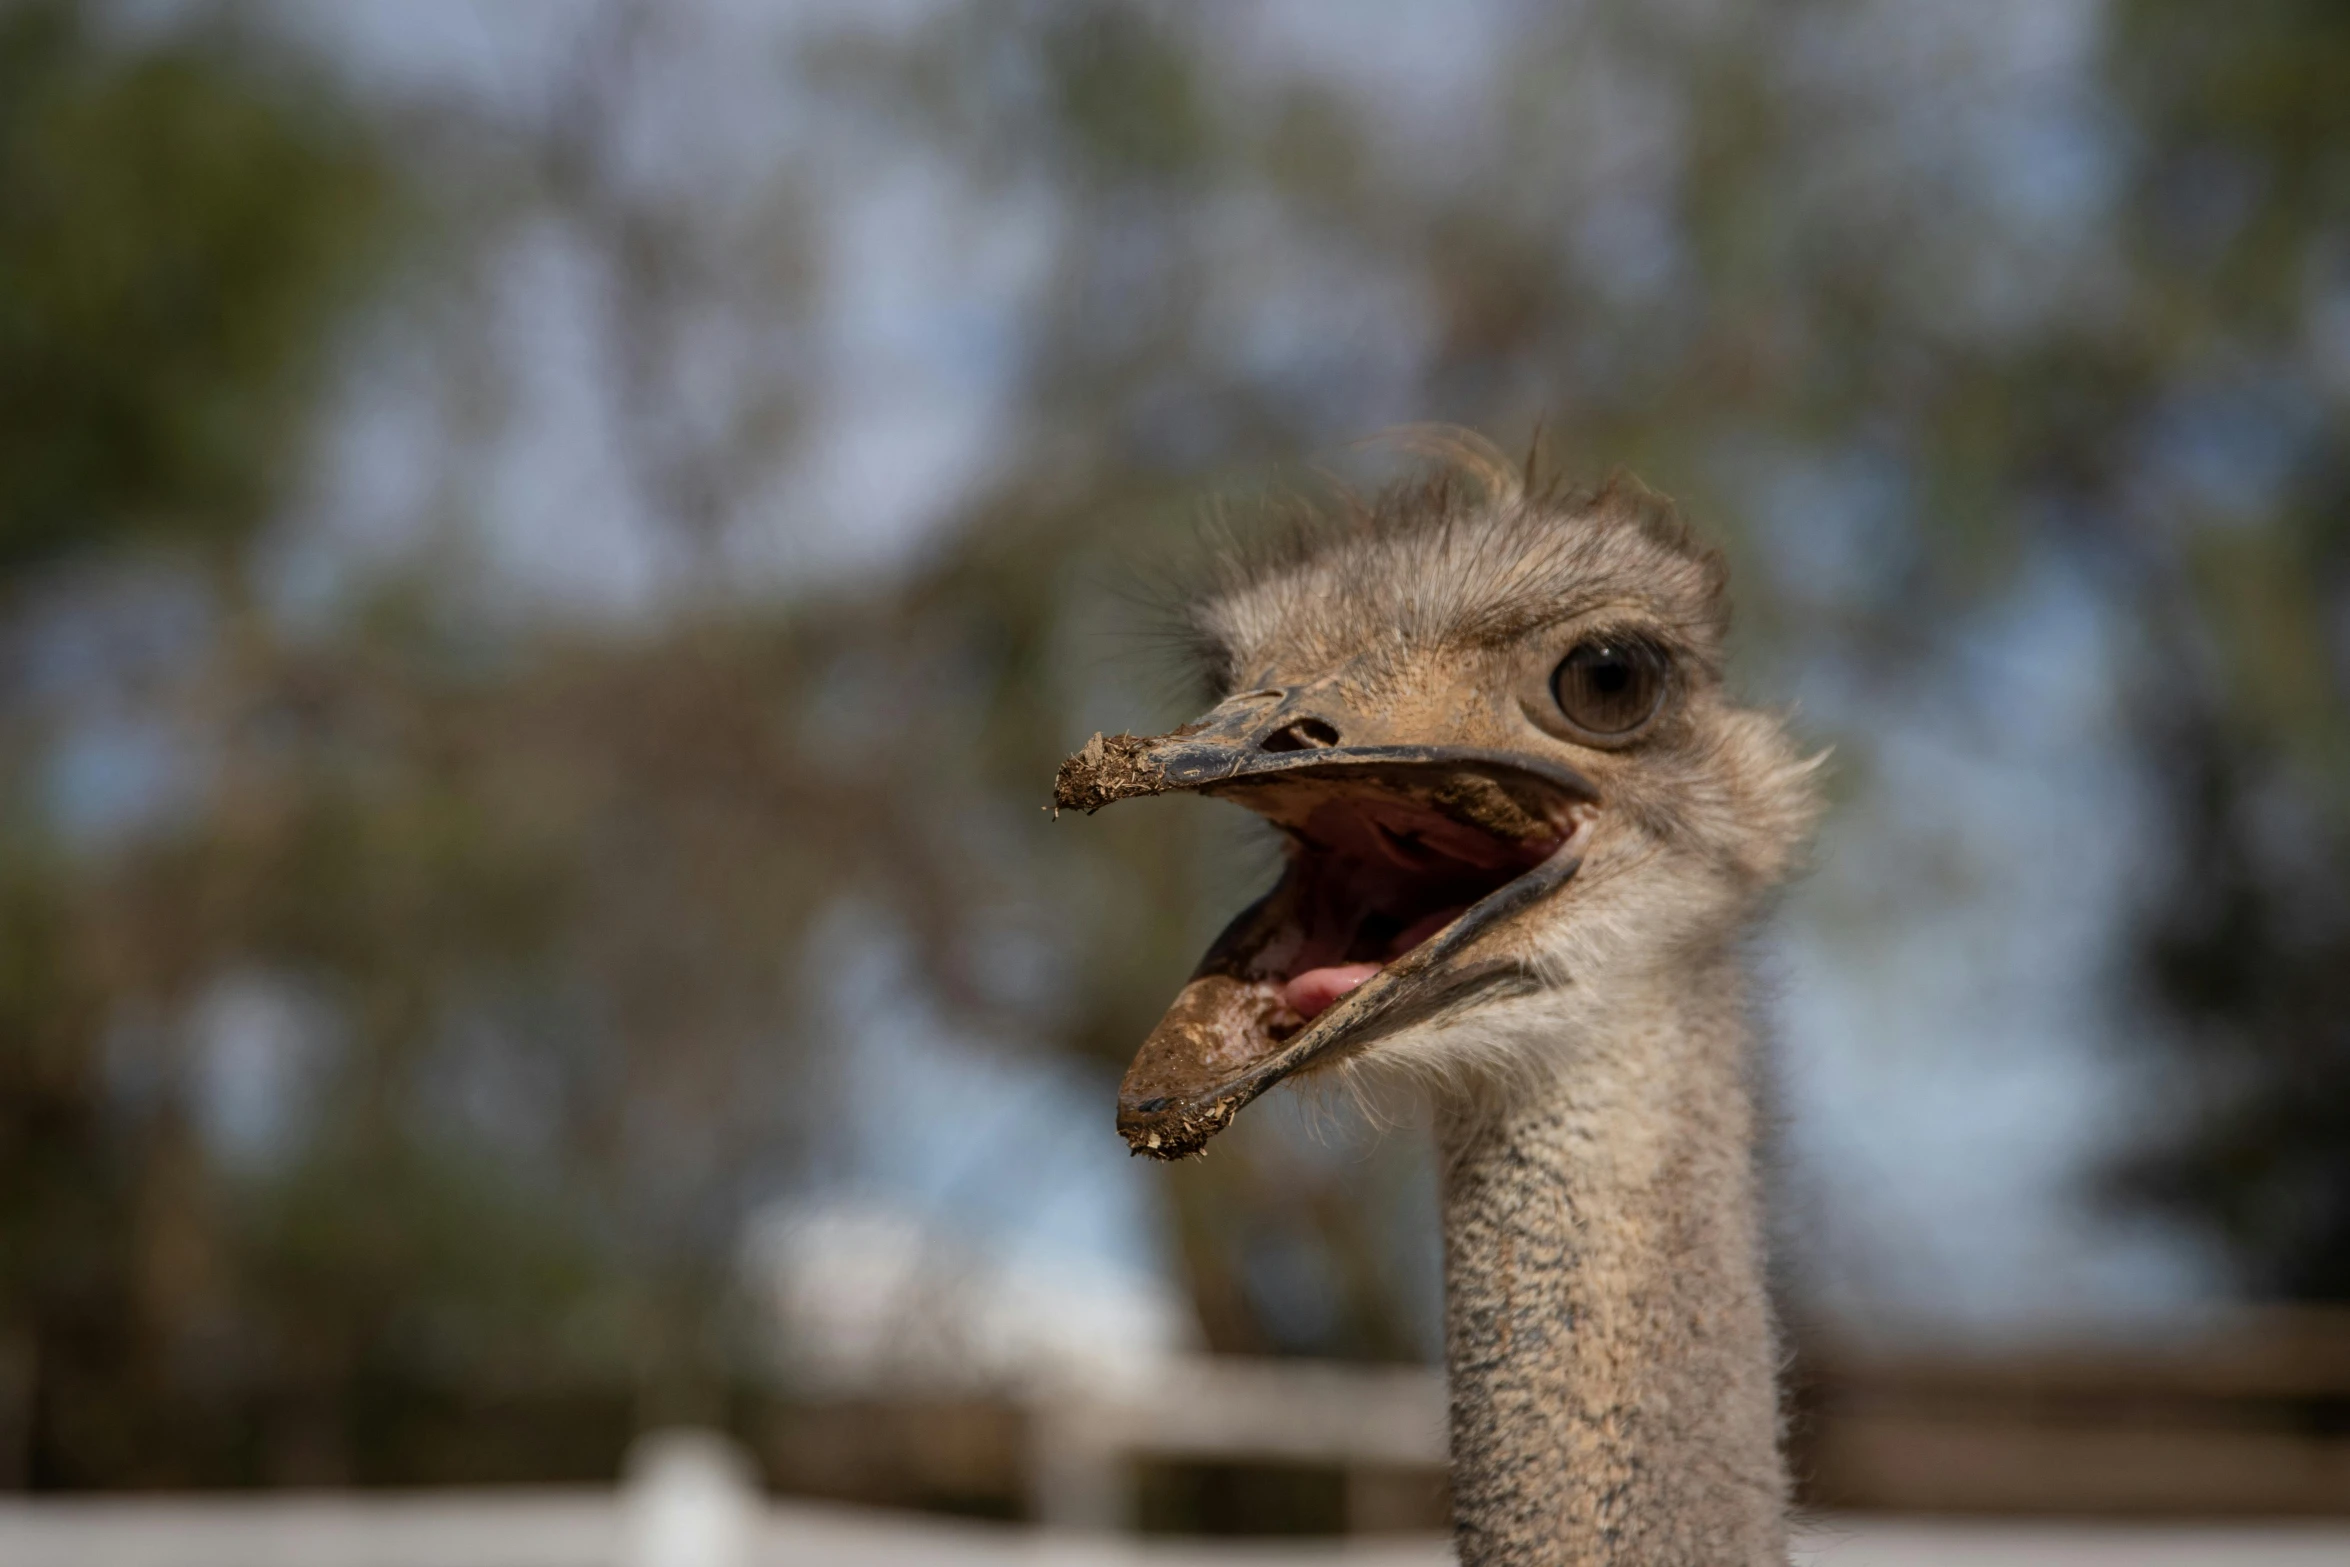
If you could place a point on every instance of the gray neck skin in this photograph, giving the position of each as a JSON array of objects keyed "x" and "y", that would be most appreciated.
[{"x": 1606, "y": 1326}]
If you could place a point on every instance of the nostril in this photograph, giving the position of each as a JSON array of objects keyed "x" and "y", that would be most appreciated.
[{"x": 1307, "y": 734}]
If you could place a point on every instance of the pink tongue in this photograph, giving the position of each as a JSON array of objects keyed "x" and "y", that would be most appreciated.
[{"x": 1312, "y": 993}]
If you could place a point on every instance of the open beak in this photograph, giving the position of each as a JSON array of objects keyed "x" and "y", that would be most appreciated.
[{"x": 1405, "y": 862}]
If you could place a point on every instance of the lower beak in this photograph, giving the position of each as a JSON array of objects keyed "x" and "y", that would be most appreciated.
[{"x": 1220, "y": 1044}]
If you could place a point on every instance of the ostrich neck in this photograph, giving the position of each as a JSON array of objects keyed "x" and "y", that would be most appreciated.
[{"x": 1606, "y": 1325}]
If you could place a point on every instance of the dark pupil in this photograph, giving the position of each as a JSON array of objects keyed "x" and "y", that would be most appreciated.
[{"x": 1608, "y": 689}]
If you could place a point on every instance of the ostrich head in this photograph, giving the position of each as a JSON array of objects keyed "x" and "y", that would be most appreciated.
[{"x": 1487, "y": 717}]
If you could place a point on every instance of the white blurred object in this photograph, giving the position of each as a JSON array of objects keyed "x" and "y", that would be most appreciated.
[
  {"x": 1084, "y": 1442},
  {"x": 689, "y": 1500},
  {"x": 866, "y": 1297}
]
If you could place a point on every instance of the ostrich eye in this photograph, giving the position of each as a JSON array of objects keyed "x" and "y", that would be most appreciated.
[{"x": 1608, "y": 687}]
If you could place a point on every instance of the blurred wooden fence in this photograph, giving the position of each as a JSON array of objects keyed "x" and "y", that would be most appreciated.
[{"x": 2250, "y": 1419}]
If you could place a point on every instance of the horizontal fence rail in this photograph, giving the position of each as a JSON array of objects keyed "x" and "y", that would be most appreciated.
[{"x": 592, "y": 1529}]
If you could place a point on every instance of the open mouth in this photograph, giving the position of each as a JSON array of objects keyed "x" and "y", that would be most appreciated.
[
  {"x": 1397, "y": 864},
  {"x": 1373, "y": 876}
]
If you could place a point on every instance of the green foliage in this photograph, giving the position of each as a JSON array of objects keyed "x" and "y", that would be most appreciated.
[
  {"x": 1126, "y": 96},
  {"x": 176, "y": 237}
]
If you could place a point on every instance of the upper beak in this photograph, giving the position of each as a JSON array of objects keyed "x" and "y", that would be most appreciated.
[{"x": 1273, "y": 751}]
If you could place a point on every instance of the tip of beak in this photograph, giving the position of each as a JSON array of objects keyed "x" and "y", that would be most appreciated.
[
  {"x": 1109, "y": 767},
  {"x": 1160, "y": 1129}
]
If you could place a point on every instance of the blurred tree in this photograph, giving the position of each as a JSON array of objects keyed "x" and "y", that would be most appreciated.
[
  {"x": 2240, "y": 212},
  {"x": 178, "y": 231},
  {"x": 175, "y": 232},
  {"x": 534, "y": 907}
]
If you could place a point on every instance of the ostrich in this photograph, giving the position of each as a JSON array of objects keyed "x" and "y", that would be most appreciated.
[{"x": 1525, "y": 833}]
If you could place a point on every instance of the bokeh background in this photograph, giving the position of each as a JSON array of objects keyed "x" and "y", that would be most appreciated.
[{"x": 548, "y": 552}]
